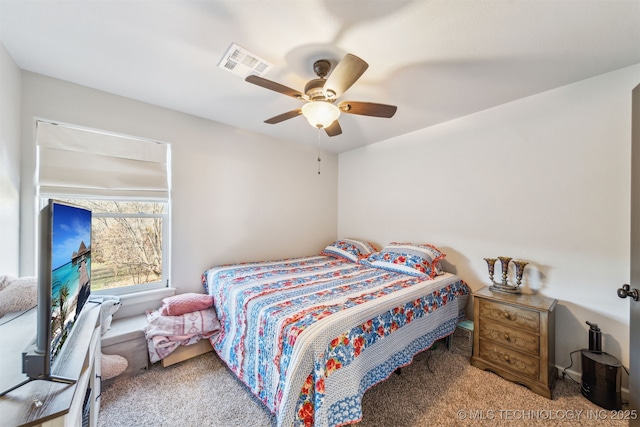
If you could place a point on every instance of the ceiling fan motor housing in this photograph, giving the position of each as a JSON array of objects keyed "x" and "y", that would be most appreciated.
[{"x": 313, "y": 89}]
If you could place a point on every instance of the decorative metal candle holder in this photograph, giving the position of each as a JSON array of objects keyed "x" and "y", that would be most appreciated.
[
  {"x": 491, "y": 262},
  {"x": 519, "y": 270},
  {"x": 504, "y": 264}
]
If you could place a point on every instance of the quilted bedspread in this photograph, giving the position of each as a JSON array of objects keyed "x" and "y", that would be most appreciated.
[{"x": 308, "y": 336}]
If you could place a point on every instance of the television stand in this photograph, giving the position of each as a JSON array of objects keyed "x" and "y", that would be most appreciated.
[
  {"x": 73, "y": 387},
  {"x": 28, "y": 380}
]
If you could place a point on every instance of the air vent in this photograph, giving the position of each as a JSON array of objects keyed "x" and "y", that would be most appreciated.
[{"x": 241, "y": 62}]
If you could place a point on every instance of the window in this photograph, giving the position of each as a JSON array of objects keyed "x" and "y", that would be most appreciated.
[
  {"x": 125, "y": 183},
  {"x": 127, "y": 243}
]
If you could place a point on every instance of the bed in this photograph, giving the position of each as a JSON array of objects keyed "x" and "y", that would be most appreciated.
[{"x": 308, "y": 336}]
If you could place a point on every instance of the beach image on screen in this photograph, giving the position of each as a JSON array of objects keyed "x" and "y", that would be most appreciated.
[{"x": 71, "y": 269}]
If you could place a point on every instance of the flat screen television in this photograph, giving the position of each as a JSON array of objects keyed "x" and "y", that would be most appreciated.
[{"x": 64, "y": 283}]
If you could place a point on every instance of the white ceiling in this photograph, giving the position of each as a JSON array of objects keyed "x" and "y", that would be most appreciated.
[{"x": 435, "y": 60}]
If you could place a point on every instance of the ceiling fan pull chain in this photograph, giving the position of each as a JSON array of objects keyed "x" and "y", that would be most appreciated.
[{"x": 319, "y": 159}]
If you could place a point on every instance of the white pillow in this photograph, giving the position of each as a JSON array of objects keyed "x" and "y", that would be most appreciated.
[{"x": 17, "y": 294}]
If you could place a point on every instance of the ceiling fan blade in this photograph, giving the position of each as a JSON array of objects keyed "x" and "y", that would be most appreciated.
[
  {"x": 284, "y": 116},
  {"x": 367, "y": 109},
  {"x": 334, "y": 129},
  {"x": 277, "y": 87},
  {"x": 348, "y": 70}
]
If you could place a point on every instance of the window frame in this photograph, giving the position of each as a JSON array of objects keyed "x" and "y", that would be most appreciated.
[{"x": 166, "y": 223}]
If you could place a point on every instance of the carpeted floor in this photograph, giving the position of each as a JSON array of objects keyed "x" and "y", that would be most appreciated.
[{"x": 440, "y": 388}]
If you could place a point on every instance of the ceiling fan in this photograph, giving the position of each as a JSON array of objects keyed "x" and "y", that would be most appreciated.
[{"x": 322, "y": 93}]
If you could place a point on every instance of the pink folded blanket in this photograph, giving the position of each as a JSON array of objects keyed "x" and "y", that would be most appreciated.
[{"x": 166, "y": 333}]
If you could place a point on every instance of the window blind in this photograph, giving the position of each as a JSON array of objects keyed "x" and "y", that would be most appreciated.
[{"x": 75, "y": 161}]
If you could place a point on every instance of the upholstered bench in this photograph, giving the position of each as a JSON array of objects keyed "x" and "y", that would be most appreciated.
[{"x": 126, "y": 338}]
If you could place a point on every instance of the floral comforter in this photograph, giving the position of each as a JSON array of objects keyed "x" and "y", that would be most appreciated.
[{"x": 309, "y": 336}]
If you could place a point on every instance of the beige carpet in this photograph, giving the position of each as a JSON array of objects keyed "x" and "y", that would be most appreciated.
[{"x": 440, "y": 388}]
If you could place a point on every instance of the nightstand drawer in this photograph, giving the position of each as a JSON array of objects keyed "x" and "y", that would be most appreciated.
[
  {"x": 518, "y": 339},
  {"x": 509, "y": 359},
  {"x": 514, "y": 316}
]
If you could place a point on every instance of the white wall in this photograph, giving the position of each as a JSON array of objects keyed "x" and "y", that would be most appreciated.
[
  {"x": 545, "y": 179},
  {"x": 236, "y": 196},
  {"x": 9, "y": 164}
]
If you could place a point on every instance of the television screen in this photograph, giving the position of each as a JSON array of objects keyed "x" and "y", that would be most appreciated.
[{"x": 70, "y": 258}]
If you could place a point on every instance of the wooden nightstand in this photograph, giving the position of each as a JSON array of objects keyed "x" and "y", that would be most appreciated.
[{"x": 514, "y": 336}]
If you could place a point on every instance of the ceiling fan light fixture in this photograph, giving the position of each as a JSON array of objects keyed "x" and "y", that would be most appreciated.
[{"x": 320, "y": 114}]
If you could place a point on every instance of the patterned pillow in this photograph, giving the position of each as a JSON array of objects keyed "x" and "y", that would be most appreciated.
[
  {"x": 349, "y": 249},
  {"x": 408, "y": 258}
]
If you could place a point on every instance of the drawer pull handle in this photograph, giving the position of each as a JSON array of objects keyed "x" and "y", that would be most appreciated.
[
  {"x": 506, "y": 314},
  {"x": 506, "y": 358},
  {"x": 507, "y": 337}
]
